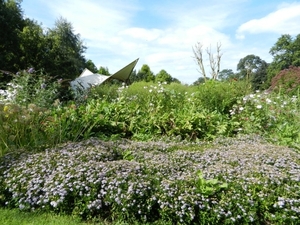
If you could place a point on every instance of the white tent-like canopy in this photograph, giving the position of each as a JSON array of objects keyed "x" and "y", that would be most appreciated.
[{"x": 88, "y": 79}]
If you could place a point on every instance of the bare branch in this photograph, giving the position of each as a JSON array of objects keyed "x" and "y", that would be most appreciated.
[
  {"x": 197, "y": 50},
  {"x": 219, "y": 56},
  {"x": 214, "y": 62}
]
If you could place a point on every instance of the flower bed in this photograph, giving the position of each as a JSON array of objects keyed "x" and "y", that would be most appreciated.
[{"x": 238, "y": 181}]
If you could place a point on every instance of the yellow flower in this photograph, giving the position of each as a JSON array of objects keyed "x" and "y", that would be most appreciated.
[{"x": 6, "y": 108}]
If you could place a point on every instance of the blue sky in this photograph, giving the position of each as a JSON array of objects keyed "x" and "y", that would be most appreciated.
[{"x": 162, "y": 33}]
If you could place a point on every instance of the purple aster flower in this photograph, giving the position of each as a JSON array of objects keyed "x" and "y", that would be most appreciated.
[{"x": 30, "y": 70}]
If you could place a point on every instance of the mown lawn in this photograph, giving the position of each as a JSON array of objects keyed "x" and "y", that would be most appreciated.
[{"x": 16, "y": 217}]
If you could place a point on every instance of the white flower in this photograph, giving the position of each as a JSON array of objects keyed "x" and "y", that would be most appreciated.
[
  {"x": 241, "y": 108},
  {"x": 259, "y": 106},
  {"x": 251, "y": 95},
  {"x": 150, "y": 90},
  {"x": 53, "y": 203},
  {"x": 268, "y": 101}
]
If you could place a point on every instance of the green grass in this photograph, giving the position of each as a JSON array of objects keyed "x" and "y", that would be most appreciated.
[{"x": 16, "y": 217}]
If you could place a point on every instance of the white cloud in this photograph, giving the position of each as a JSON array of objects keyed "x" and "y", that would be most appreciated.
[
  {"x": 96, "y": 21},
  {"x": 108, "y": 29},
  {"x": 114, "y": 38},
  {"x": 141, "y": 33},
  {"x": 214, "y": 13},
  {"x": 285, "y": 20}
]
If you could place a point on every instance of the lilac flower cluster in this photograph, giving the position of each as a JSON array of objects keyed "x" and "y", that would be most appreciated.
[{"x": 158, "y": 180}]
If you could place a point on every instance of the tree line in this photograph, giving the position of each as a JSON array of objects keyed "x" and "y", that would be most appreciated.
[
  {"x": 286, "y": 56},
  {"x": 57, "y": 52}
]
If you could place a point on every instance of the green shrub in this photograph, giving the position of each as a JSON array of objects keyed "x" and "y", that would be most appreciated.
[
  {"x": 154, "y": 110},
  {"x": 165, "y": 110},
  {"x": 220, "y": 96},
  {"x": 273, "y": 115},
  {"x": 105, "y": 91}
]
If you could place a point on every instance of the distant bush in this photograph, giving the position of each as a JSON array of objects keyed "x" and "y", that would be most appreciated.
[
  {"x": 287, "y": 81},
  {"x": 220, "y": 96},
  {"x": 275, "y": 116},
  {"x": 105, "y": 91}
]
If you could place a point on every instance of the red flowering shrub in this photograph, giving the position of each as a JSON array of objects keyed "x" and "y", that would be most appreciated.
[{"x": 287, "y": 81}]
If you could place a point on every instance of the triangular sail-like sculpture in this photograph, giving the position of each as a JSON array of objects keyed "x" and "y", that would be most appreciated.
[
  {"x": 88, "y": 79},
  {"x": 124, "y": 73}
]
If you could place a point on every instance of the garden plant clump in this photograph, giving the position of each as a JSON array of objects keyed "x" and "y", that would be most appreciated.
[
  {"x": 277, "y": 117},
  {"x": 205, "y": 159},
  {"x": 287, "y": 81},
  {"x": 235, "y": 181}
]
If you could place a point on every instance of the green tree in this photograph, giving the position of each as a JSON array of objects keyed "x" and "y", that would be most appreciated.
[
  {"x": 253, "y": 69},
  {"x": 226, "y": 74},
  {"x": 64, "y": 51},
  {"x": 11, "y": 23},
  {"x": 104, "y": 71},
  {"x": 200, "y": 80},
  {"x": 32, "y": 45},
  {"x": 259, "y": 78},
  {"x": 286, "y": 53},
  {"x": 163, "y": 76},
  {"x": 132, "y": 77},
  {"x": 175, "y": 80},
  {"x": 145, "y": 74},
  {"x": 91, "y": 66}
]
